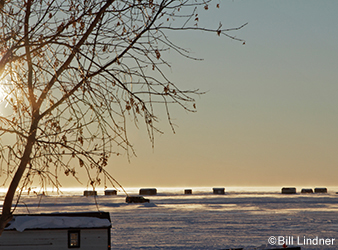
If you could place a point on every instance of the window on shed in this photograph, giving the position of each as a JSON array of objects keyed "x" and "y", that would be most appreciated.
[{"x": 74, "y": 239}]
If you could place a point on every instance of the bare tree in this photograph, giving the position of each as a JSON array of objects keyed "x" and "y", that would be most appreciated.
[{"x": 74, "y": 73}]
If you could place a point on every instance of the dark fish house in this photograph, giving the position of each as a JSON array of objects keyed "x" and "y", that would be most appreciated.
[
  {"x": 89, "y": 193},
  {"x": 307, "y": 191},
  {"x": 110, "y": 192},
  {"x": 57, "y": 231},
  {"x": 320, "y": 190},
  {"x": 288, "y": 190},
  {"x": 148, "y": 191},
  {"x": 218, "y": 190}
]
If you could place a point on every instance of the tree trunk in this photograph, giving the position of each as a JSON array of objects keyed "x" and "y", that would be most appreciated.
[{"x": 6, "y": 215}]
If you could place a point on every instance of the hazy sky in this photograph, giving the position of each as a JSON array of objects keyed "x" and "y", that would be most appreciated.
[{"x": 270, "y": 114}]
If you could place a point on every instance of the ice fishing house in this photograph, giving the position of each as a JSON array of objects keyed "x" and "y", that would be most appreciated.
[
  {"x": 57, "y": 231},
  {"x": 148, "y": 191}
]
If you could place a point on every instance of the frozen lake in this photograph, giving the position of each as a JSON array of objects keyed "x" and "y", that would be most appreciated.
[{"x": 240, "y": 218}]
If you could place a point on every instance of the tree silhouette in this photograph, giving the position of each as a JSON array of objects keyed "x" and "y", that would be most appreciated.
[{"x": 72, "y": 72}]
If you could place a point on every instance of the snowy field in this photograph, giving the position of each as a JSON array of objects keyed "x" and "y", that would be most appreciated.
[{"x": 243, "y": 217}]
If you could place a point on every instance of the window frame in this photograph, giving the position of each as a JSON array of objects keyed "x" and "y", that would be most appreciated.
[{"x": 71, "y": 232}]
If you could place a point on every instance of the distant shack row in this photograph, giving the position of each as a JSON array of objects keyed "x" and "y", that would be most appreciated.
[
  {"x": 153, "y": 191},
  {"x": 94, "y": 193},
  {"x": 143, "y": 191},
  {"x": 147, "y": 191},
  {"x": 292, "y": 190}
]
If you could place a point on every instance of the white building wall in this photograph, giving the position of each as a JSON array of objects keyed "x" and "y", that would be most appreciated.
[{"x": 53, "y": 239}]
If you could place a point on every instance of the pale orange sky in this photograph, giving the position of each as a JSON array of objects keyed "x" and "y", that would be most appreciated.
[{"x": 270, "y": 114}]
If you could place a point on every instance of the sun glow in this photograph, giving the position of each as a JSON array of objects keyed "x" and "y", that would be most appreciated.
[{"x": 3, "y": 92}]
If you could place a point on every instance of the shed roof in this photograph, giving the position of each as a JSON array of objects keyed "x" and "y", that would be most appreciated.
[{"x": 21, "y": 222}]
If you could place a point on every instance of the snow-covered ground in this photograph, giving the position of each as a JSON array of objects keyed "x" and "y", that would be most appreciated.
[{"x": 241, "y": 218}]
